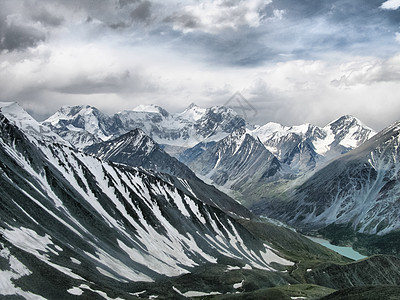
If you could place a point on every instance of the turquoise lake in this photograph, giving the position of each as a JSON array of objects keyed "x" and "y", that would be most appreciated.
[{"x": 345, "y": 251}]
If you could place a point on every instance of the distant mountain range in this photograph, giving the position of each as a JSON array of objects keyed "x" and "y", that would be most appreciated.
[
  {"x": 298, "y": 149},
  {"x": 86, "y": 125},
  {"x": 257, "y": 165},
  {"x": 302, "y": 147}
]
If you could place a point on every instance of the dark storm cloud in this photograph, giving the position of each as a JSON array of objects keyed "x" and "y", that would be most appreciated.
[
  {"x": 183, "y": 20},
  {"x": 142, "y": 12},
  {"x": 18, "y": 37},
  {"x": 123, "y": 3},
  {"x": 25, "y": 25}
]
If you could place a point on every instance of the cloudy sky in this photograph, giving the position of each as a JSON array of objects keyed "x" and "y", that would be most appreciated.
[{"x": 294, "y": 61}]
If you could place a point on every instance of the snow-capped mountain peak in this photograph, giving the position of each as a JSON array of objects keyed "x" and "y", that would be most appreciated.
[
  {"x": 338, "y": 137},
  {"x": 192, "y": 105},
  {"x": 16, "y": 112},
  {"x": 345, "y": 118},
  {"x": 192, "y": 113},
  {"x": 346, "y": 122},
  {"x": 223, "y": 110},
  {"x": 342, "y": 135},
  {"x": 79, "y": 124},
  {"x": 269, "y": 130},
  {"x": 69, "y": 112},
  {"x": 302, "y": 129},
  {"x": 17, "y": 115},
  {"x": 273, "y": 130}
]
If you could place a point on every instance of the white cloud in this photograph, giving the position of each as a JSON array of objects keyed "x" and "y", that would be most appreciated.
[
  {"x": 278, "y": 13},
  {"x": 110, "y": 78},
  {"x": 370, "y": 71},
  {"x": 301, "y": 91},
  {"x": 397, "y": 37},
  {"x": 213, "y": 16},
  {"x": 391, "y": 4},
  {"x": 296, "y": 75}
]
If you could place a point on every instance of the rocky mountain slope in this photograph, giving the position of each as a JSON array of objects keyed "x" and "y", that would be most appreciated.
[
  {"x": 86, "y": 227},
  {"x": 359, "y": 190},
  {"x": 235, "y": 161},
  {"x": 137, "y": 149},
  {"x": 275, "y": 158}
]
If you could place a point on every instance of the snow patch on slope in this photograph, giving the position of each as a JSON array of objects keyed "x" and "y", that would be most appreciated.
[{"x": 16, "y": 271}]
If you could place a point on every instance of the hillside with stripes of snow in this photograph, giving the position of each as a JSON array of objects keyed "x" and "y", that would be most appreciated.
[{"x": 84, "y": 225}]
